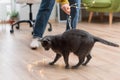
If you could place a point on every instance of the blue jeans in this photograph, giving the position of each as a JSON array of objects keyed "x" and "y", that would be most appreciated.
[
  {"x": 42, "y": 17},
  {"x": 74, "y": 14}
]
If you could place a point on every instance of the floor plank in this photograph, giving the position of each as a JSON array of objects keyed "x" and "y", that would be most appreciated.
[{"x": 19, "y": 62}]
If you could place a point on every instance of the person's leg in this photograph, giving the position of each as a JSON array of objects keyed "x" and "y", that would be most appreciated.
[
  {"x": 41, "y": 21},
  {"x": 74, "y": 14},
  {"x": 42, "y": 17}
]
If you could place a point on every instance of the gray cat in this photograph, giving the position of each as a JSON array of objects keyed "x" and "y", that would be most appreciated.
[{"x": 77, "y": 41}]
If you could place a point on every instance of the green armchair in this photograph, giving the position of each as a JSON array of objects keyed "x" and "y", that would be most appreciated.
[{"x": 110, "y": 6}]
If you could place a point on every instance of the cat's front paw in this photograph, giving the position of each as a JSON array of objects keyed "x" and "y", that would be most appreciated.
[
  {"x": 74, "y": 67},
  {"x": 51, "y": 63}
]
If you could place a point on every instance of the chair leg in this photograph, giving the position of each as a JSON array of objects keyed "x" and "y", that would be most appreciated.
[
  {"x": 90, "y": 17},
  {"x": 101, "y": 16},
  {"x": 110, "y": 18}
]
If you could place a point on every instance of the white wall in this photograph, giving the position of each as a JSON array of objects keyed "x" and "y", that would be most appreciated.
[
  {"x": 24, "y": 11},
  {"x": 3, "y": 11}
]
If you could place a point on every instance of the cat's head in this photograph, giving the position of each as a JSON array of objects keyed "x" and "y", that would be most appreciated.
[{"x": 46, "y": 42}]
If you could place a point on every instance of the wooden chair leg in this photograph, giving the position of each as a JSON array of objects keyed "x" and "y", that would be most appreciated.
[
  {"x": 101, "y": 16},
  {"x": 90, "y": 17},
  {"x": 110, "y": 18}
]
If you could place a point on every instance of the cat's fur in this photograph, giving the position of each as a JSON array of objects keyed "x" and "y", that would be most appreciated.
[{"x": 77, "y": 41}]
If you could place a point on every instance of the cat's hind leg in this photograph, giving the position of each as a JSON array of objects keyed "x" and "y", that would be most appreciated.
[
  {"x": 81, "y": 60},
  {"x": 87, "y": 60},
  {"x": 66, "y": 58}
]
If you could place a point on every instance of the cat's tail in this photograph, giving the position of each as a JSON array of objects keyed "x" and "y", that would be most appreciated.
[{"x": 97, "y": 39}]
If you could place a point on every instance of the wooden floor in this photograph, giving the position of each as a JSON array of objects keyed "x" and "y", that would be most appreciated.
[{"x": 19, "y": 62}]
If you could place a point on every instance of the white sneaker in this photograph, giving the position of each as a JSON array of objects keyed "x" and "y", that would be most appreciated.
[{"x": 35, "y": 43}]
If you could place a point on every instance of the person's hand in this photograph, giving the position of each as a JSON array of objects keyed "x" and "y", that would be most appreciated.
[{"x": 66, "y": 8}]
